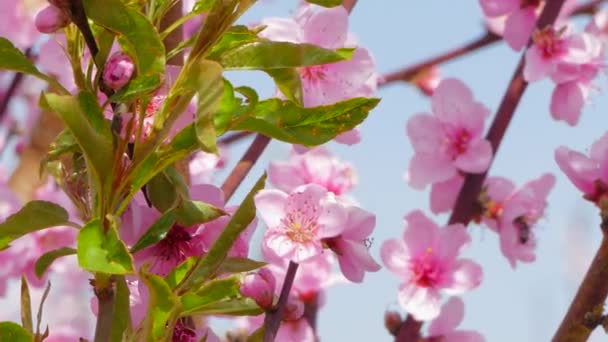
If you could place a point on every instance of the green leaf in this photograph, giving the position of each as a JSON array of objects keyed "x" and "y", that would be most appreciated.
[
  {"x": 100, "y": 251},
  {"x": 138, "y": 37},
  {"x": 162, "y": 305},
  {"x": 233, "y": 38},
  {"x": 286, "y": 121},
  {"x": 26, "y": 306},
  {"x": 12, "y": 332},
  {"x": 289, "y": 83},
  {"x": 140, "y": 85},
  {"x": 210, "y": 263},
  {"x": 201, "y": 6},
  {"x": 161, "y": 192},
  {"x": 239, "y": 265},
  {"x": 229, "y": 104},
  {"x": 257, "y": 336},
  {"x": 121, "y": 315},
  {"x": 179, "y": 272},
  {"x": 64, "y": 143},
  {"x": 47, "y": 259},
  {"x": 13, "y": 59},
  {"x": 231, "y": 307},
  {"x": 265, "y": 54},
  {"x": 157, "y": 231},
  {"x": 326, "y": 3},
  {"x": 85, "y": 120},
  {"x": 190, "y": 213},
  {"x": 211, "y": 292},
  {"x": 34, "y": 216},
  {"x": 211, "y": 90}
]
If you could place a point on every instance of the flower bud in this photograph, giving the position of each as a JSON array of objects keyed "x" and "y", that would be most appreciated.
[
  {"x": 427, "y": 80},
  {"x": 392, "y": 322},
  {"x": 51, "y": 19},
  {"x": 118, "y": 70},
  {"x": 260, "y": 287},
  {"x": 294, "y": 309}
]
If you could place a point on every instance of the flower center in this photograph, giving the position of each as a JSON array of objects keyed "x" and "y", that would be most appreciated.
[
  {"x": 549, "y": 42},
  {"x": 600, "y": 193},
  {"x": 424, "y": 269},
  {"x": 458, "y": 143},
  {"x": 183, "y": 333},
  {"x": 299, "y": 228},
  {"x": 527, "y": 3},
  {"x": 494, "y": 210},
  {"x": 313, "y": 74},
  {"x": 176, "y": 246}
]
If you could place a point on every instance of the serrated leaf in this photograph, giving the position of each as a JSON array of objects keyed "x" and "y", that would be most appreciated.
[
  {"x": 34, "y": 216},
  {"x": 47, "y": 259},
  {"x": 100, "y": 251},
  {"x": 190, "y": 213},
  {"x": 210, "y": 263},
  {"x": 211, "y": 292},
  {"x": 326, "y": 3},
  {"x": 265, "y": 54},
  {"x": 12, "y": 332},
  {"x": 157, "y": 231},
  {"x": 286, "y": 121},
  {"x": 239, "y": 265},
  {"x": 162, "y": 304}
]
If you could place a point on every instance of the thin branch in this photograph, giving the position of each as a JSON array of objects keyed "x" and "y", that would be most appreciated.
[
  {"x": 243, "y": 167},
  {"x": 12, "y": 89},
  {"x": 234, "y": 137},
  {"x": 272, "y": 321},
  {"x": 79, "y": 17},
  {"x": 409, "y": 331}
]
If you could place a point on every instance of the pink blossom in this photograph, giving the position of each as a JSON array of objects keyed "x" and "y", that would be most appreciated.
[
  {"x": 444, "y": 326},
  {"x": 450, "y": 140},
  {"x": 588, "y": 173},
  {"x": 51, "y": 19},
  {"x": 328, "y": 83},
  {"x": 351, "y": 247},
  {"x": 520, "y": 18},
  {"x": 513, "y": 214},
  {"x": 17, "y": 22},
  {"x": 444, "y": 194},
  {"x": 426, "y": 259},
  {"x": 118, "y": 70},
  {"x": 203, "y": 165},
  {"x": 568, "y": 100},
  {"x": 260, "y": 286},
  {"x": 316, "y": 166},
  {"x": 298, "y": 221}
]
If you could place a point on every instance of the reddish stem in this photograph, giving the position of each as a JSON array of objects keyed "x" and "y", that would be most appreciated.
[
  {"x": 272, "y": 321},
  {"x": 409, "y": 331}
]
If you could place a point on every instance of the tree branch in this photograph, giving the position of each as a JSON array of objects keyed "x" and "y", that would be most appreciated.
[
  {"x": 103, "y": 288},
  {"x": 409, "y": 331},
  {"x": 272, "y": 321}
]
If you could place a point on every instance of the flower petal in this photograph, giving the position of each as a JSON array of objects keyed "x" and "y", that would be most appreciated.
[
  {"x": 519, "y": 27},
  {"x": 476, "y": 159},
  {"x": 450, "y": 317},
  {"x": 271, "y": 205}
]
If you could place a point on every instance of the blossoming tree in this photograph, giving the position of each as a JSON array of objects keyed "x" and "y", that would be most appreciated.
[{"x": 123, "y": 111}]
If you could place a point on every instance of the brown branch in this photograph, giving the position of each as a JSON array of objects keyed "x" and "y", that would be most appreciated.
[
  {"x": 591, "y": 294},
  {"x": 176, "y": 36},
  {"x": 79, "y": 17},
  {"x": 234, "y": 137},
  {"x": 273, "y": 318},
  {"x": 12, "y": 89},
  {"x": 409, "y": 331},
  {"x": 243, "y": 167}
]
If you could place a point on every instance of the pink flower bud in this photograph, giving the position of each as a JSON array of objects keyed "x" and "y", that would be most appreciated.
[
  {"x": 51, "y": 19},
  {"x": 294, "y": 309},
  {"x": 260, "y": 287},
  {"x": 392, "y": 322},
  {"x": 118, "y": 70}
]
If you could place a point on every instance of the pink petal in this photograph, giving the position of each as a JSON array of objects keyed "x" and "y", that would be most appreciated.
[
  {"x": 395, "y": 256},
  {"x": 327, "y": 27},
  {"x": 466, "y": 275},
  {"x": 355, "y": 260},
  {"x": 450, "y": 317},
  {"x": 581, "y": 170},
  {"x": 333, "y": 219},
  {"x": 452, "y": 240},
  {"x": 599, "y": 152},
  {"x": 452, "y": 100},
  {"x": 282, "y": 30},
  {"x": 207, "y": 193},
  {"x": 476, "y": 159},
  {"x": 444, "y": 194},
  {"x": 425, "y": 133},
  {"x": 463, "y": 336},
  {"x": 420, "y": 233},
  {"x": 284, "y": 247},
  {"x": 567, "y": 102},
  {"x": 360, "y": 223},
  {"x": 496, "y": 8},
  {"x": 284, "y": 176},
  {"x": 499, "y": 188},
  {"x": 519, "y": 27},
  {"x": 271, "y": 206},
  {"x": 425, "y": 169},
  {"x": 349, "y": 138},
  {"x": 420, "y": 302}
]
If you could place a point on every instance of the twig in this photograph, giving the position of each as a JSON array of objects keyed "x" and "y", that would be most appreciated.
[
  {"x": 409, "y": 331},
  {"x": 234, "y": 137},
  {"x": 79, "y": 17},
  {"x": 12, "y": 89},
  {"x": 245, "y": 164},
  {"x": 272, "y": 321}
]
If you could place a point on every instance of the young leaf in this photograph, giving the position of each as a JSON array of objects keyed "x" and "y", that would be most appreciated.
[
  {"x": 161, "y": 192},
  {"x": 286, "y": 121},
  {"x": 326, "y": 3},
  {"x": 211, "y": 292},
  {"x": 233, "y": 38},
  {"x": 100, "y": 251},
  {"x": 190, "y": 213},
  {"x": 162, "y": 305},
  {"x": 231, "y": 307},
  {"x": 265, "y": 54},
  {"x": 289, "y": 83},
  {"x": 47, "y": 259},
  {"x": 121, "y": 318},
  {"x": 12, "y": 332},
  {"x": 229, "y": 104},
  {"x": 157, "y": 231},
  {"x": 239, "y": 265},
  {"x": 211, "y": 89},
  {"x": 179, "y": 272},
  {"x": 13, "y": 59},
  {"x": 26, "y": 306},
  {"x": 34, "y": 216},
  {"x": 210, "y": 263}
]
